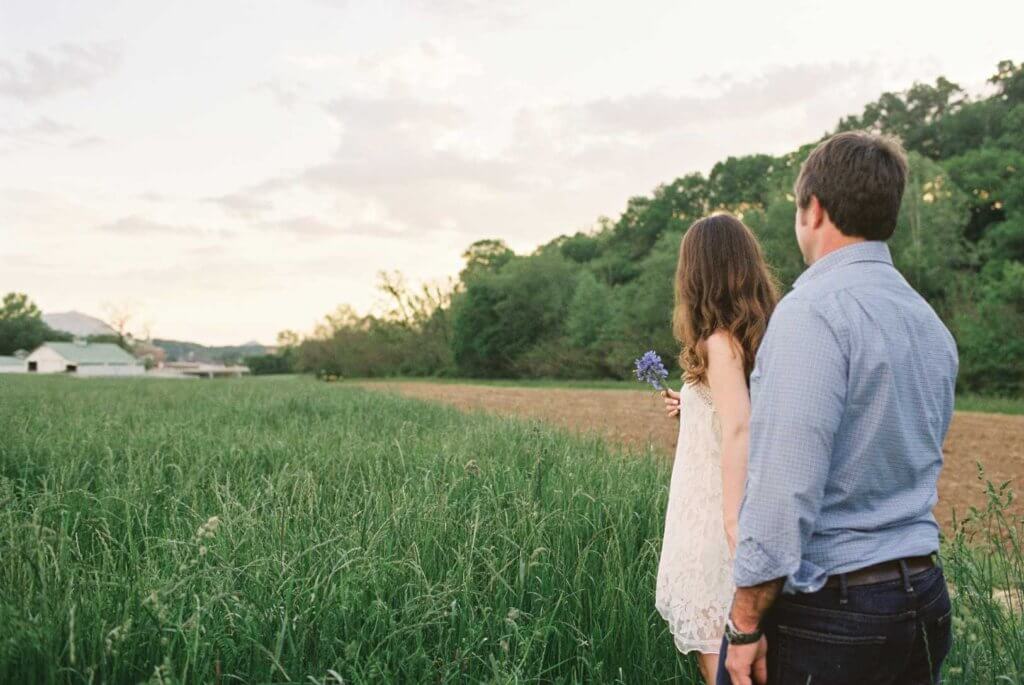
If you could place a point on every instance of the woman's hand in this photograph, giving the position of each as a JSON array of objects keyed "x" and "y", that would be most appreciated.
[{"x": 671, "y": 402}]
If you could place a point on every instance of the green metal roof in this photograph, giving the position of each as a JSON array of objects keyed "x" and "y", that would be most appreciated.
[
  {"x": 92, "y": 353},
  {"x": 11, "y": 361}
]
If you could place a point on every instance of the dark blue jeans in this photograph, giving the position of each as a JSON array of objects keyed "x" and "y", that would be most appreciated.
[{"x": 892, "y": 633}]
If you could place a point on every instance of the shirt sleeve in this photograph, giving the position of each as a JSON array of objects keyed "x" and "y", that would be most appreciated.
[{"x": 798, "y": 395}]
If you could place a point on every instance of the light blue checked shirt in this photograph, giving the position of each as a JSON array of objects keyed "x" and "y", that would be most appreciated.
[{"x": 852, "y": 393}]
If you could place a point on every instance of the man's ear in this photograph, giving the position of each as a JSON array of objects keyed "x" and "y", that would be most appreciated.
[{"x": 815, "y": 213}]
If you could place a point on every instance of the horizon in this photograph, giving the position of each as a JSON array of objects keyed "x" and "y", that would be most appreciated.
[{"x": 255, "y": 176}]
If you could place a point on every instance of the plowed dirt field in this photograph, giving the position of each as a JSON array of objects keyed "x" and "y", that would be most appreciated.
[{"x": 635, "y": 418}]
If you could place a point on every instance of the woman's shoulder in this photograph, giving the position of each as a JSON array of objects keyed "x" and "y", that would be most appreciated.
[{"x": 723, "y": 345}]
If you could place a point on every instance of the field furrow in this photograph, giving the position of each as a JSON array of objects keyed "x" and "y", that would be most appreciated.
[{"x": 634, "y": 418}]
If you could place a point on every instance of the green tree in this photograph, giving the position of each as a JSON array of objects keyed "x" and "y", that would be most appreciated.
[
  {"x": 580, "y": 247},
  {"x": 774, "y": 228},
  {"x": 915, "y": 116},
  {"x": 502, "y": 315},
  {"x": 1009, "y": 81},
  {"x": 22, "y": 326},
  {"x": 928, "y": 246},
  {"x": 993, "y": 179},
  {"x": 988, "y": 327},
  {"x": 589, "y": 311},
  {"x": 483, "y": 257},
  {"x": 742, "y": 183},
  {"x": 642, "y": 310}
]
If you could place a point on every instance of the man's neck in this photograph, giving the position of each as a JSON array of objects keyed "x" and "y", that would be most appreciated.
[{"x": 837, "y": 242}]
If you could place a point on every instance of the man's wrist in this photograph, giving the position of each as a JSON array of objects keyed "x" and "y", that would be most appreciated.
[
  {"x": 744, "y": 624},
  {"x": 749, "y": 604},
  {"x": 738, "y": 636}
]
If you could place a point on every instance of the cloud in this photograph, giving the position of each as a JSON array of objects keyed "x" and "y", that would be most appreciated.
[
  {"x": 424, "y": 64},
  {"x": 45, "y": 131},
  {"x": 86, "y": 142},
  {"x": 404, "y": 164},
  {"x": 247, "y": 204},
  {"x": 67, "y": 67},
  {"x": 308, "y": 226},
  {"x": 41, "y": 131},
  {"x": 400, "y": 141},
  {"x": 428, "y": 64},
  {"x": 135, "y": 225},
  {"x": 783, "y": 89},
  {"x": 41, "y": 128},
  {"x": 486, "y": 12},
  {"x": 286, "y": 95}
]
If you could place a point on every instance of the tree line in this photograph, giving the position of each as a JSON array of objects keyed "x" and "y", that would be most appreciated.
[
  {"x": 22, "y": 328},
  {"x": 585, "y": 305}
]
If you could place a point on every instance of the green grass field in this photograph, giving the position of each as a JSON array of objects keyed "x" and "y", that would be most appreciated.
[
  {"x": 294, "y": 531},
  {"x": 992, "y": 405}
]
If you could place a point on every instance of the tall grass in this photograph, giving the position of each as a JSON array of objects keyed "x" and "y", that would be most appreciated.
[
  {"x": 985, "y": 568},
  {"x": 294, "y": 531},
  {"x": 358, "y": 536}
]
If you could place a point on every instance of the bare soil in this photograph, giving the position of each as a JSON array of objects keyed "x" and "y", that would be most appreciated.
[{"x": 635, "y": 418}]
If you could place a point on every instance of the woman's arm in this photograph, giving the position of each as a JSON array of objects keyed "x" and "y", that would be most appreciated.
[{"x": 731, "y": 398}]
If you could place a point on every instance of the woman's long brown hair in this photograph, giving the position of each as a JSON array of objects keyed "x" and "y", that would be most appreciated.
[{"x": 722, "y": 282}]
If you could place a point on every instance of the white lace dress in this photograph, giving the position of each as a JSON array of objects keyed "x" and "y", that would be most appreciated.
[{"x": 695, "y": 584}]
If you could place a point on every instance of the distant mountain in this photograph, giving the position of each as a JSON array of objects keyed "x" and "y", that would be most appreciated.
[
  {"x": 83, "y": 325},
  {"x": 78, "y": 324},
  {"x": 183, "y": 351}
]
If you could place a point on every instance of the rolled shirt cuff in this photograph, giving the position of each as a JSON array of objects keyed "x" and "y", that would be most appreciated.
[{"x": 756, "y": 564}]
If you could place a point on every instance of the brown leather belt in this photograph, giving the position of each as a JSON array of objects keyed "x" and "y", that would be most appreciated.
[{"x": 880, "y": 573}]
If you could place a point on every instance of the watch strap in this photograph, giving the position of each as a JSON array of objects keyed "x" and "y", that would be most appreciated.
[{"x": 734, "y": 636}]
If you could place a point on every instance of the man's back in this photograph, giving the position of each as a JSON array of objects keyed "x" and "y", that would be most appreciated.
[
  {"x": 852, "y": 394},
  {"x": 856, "y": 357}
]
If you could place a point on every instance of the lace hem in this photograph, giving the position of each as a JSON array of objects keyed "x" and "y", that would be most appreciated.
[
  {"x": 707, "y": 647},
  {"x": 688, "y": 643}
]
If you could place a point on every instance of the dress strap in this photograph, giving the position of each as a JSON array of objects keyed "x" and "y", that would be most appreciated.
[{"x": 703, "y": 392}]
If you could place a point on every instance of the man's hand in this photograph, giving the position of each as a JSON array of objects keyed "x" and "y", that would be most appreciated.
[
  {"x": 748, "y": 664},
  {"x": 671, "y": 402}
]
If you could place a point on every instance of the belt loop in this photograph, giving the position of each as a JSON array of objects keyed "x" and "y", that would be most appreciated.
[
  {"x": 905, "y": 572},
  {"x": 844, "y": 596}
]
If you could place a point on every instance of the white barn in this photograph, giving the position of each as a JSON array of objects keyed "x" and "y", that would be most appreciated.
[
  {"x": 83, "y": 359},
  {"x": 12, "y": 365}
]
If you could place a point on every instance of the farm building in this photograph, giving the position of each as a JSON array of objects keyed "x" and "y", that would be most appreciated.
[
  {"x": 202, "y": 370},
  {"x": 12, "y": 365},
  {"x": 84, "y": 359}
]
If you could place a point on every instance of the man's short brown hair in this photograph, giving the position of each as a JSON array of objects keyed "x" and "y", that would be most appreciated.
[{"x": 858, "y": 178}]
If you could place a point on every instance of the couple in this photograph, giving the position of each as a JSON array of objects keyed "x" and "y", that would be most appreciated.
[{"x": 799, "y": 520}]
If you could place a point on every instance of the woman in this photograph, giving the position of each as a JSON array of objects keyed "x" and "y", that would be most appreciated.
[{"x": 724, "y": 296}]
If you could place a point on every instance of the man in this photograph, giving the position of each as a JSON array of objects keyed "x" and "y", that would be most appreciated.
[{"x": 852, "y": 394}]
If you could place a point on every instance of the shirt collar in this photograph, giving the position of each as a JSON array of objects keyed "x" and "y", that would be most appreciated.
[{"x": 867, "y": 251}]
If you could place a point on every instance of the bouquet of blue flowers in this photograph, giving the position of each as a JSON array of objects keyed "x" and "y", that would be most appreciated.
[{"x": 650, "y": 369}]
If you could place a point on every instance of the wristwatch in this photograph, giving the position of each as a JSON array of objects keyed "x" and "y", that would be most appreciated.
[{"x": 734, "y": 636}]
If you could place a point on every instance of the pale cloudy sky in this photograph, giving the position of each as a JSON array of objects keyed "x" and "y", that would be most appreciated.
[{"x": 230, "y": 168}]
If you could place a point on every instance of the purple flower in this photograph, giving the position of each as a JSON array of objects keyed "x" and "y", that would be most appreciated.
[{"x": 649, "y": 369}]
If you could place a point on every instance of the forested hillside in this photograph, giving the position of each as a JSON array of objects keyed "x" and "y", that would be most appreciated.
[{"x": 585, "y": 305}]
